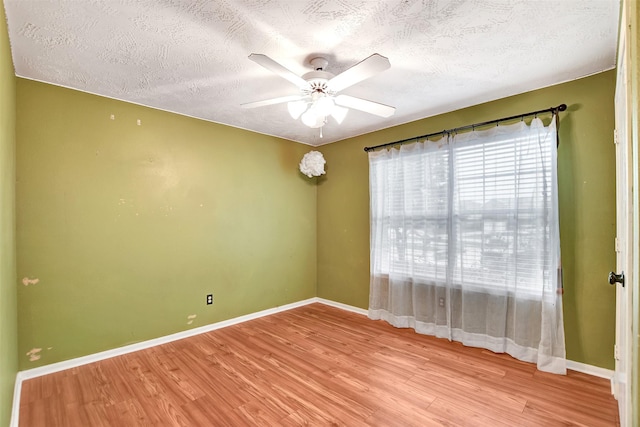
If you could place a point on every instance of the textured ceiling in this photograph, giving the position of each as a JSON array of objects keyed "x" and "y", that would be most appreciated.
[{"x": 190, "y": 57}]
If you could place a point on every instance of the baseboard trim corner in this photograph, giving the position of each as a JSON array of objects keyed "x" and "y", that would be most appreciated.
[{"x": 342, "y": 306}]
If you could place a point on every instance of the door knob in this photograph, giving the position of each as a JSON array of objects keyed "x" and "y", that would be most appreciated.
[{"x": 616, "y": 278}]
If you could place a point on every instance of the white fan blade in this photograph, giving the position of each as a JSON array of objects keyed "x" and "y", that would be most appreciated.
[
  {"x": 271, "y": 101},
  {"x": 362, "y": 70},
  {"x": 364, "y": 105},
  {"x": 280, "y": 70}
]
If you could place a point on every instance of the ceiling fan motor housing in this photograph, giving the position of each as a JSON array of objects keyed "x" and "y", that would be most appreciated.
[
  {"x": 318, "y": 81},
  {"x": 319, "y": 63}
]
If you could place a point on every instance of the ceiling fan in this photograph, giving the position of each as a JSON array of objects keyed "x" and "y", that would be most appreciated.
[{"x": 319, "y": 89}]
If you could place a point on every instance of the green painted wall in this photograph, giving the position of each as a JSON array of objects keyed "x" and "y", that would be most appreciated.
[
  {"x": 8, "y": 295},
  {"x": 587, "y": 207},
  {"x": 123, "y": 228}
]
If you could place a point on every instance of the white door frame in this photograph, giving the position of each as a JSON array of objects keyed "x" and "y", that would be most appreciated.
[{"x": 624, "y": 230}]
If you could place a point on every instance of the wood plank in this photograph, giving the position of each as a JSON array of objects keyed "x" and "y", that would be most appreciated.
[
  {"x": 314, "y": 365},
  {"x": 460, "y": 416}
]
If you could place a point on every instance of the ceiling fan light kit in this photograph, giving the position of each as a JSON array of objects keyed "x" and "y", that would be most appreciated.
[{"x": 318, "y": 99}]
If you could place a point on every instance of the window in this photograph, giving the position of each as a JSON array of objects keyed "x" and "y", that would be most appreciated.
[
  {"x": 474, "y": 211},
  {"x": 465, "y": 241}
]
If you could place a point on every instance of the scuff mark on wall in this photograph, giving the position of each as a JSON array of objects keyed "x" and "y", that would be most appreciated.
[
  {"x": 191, "y": 317},
  {"x": 26, "y": 281},
  {"x": 34, "y": 354}
]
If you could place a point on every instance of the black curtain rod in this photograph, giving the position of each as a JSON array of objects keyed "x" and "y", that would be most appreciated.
[{"x": 554, "y": 110}]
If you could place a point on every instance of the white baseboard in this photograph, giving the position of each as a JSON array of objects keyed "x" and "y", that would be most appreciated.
[
  {"x": 342, "y": 306},
  {"x": 574, "y": 366},
  {"x": 84, "y": 360},
  {"x": 15, "y": 409},
  {"x": 96, "y": 357},
  {"x": 590, "y": 370}
]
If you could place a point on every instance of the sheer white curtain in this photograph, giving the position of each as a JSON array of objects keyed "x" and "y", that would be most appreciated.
[{"x": 465, "y": 241}]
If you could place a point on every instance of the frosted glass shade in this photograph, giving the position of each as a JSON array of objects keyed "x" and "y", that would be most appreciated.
[
  {"x": 339, "y": 113},
  {"x": 324, "y": 106},
  {"x": 296, "y": 108},
  {"x": 312, "y": 119}
]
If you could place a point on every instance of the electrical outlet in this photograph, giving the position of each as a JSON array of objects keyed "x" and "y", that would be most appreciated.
[
  {"x": 441, "y": 302},
  {"x": 209, "y": 299}
]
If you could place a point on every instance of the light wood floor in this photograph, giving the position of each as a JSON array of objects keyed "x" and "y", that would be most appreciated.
[{"x": 314, "y": 365}]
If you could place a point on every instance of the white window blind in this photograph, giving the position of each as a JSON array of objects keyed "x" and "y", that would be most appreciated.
[{"x": 475, "y": 211}]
